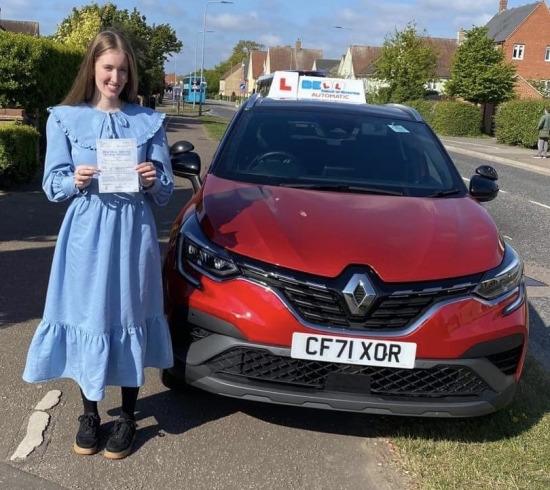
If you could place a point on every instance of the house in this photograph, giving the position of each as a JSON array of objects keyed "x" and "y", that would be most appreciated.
[
  {"x": 290, "y": 58},
  {"x": 19, "y": 26},
  {"x": 233, "y": 82},
  {"x": 330, "y": 66},
  {"x": 445, "y": 49},
  {"x": 256, "y": 64},
  {"x": 358, "y": 63},
  {"x": 278, "y": 58},
  {"x": 523, "y": 34}
]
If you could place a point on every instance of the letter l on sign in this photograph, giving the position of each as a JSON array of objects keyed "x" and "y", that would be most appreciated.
[{"x": 283, "y": 85}]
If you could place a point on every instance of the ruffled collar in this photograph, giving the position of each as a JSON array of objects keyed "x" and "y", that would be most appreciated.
[{"x": 84, "y": 124}]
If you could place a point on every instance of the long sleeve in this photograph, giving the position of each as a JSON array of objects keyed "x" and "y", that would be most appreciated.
[
  {"x": 58, "y": 183},
  {"x": 158, "y": 153}
]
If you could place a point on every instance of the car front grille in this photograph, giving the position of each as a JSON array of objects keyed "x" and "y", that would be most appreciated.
[
  {"x": 261, "y": 365},
  {"x": 319, "y": 301}
]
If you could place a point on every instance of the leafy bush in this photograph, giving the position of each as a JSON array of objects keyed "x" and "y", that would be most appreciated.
[
  {"x": 516, "y": 122},
  {"x": 18, "y": 153},
  {"x": 426, "y": 108},
  {"x": 35, "y": 73},
  {"x": 457, "y": 119},
  {"x": 450, "y": 118}
]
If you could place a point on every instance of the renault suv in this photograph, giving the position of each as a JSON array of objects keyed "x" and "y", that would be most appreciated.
[{"x": 333, "y": 257}]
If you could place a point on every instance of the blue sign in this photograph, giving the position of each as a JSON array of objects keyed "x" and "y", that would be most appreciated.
[{"x": 242, "y": 86}]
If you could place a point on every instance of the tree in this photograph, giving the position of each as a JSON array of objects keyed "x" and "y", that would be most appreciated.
[
  {"x": 407, "y": 63},
  {"x": 152, "y": 44},
  {"x": 241, "y": 51},
  {"x": 479, "y": 73}
]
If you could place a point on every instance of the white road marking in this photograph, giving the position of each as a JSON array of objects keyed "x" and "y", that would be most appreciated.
[{"x": 539, "y": 204}]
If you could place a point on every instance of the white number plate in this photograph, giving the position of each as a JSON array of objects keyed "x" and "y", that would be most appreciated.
[{"x": 346, "y": 350}]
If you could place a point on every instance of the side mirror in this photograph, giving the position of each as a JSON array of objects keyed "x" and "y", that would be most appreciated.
[
  {"x": 186, "y": 163},
  {"x": 181, "y": 147},
  {"x": 487, "y": 171},
  {"x": 483, "y": 185}
]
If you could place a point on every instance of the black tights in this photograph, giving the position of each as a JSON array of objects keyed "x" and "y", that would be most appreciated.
[{"x": 129, "y": 399}]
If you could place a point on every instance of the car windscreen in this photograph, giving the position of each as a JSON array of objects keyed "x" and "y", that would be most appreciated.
[{"x": 335, "y": 149}]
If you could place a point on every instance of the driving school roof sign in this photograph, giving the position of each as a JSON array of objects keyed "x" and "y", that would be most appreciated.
[{"x": 288, "y": 85}]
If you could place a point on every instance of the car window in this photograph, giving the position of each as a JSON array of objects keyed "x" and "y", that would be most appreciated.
[{"x": 282, "y": 147}]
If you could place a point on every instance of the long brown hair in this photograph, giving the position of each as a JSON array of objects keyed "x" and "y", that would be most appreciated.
[{"x": 83, "y": 88}]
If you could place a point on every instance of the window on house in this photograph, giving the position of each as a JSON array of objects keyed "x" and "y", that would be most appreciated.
[
  {"x": 547, "y": 54},
  {"x": 518, "y": 51}
]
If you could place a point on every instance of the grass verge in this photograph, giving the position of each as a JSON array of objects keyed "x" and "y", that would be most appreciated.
[
  {"x": 508, "y": 450},
  {"x": 503, "y": 451}
]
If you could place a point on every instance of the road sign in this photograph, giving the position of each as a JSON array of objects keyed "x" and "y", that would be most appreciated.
[{"x": 242, "y": 86}]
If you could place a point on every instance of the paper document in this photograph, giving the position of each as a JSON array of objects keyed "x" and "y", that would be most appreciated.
[{"x": 117, "y": 160}]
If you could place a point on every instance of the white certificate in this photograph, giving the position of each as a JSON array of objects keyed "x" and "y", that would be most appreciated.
[{"x": 117, "y": 160}]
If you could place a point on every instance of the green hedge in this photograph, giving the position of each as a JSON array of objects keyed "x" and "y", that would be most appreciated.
[
  {"x": 18, "y": 154},
  {"x": 516, "y": 122},
  {"x": 450, "y": 118},
  {"x": 35, "y": 73}
]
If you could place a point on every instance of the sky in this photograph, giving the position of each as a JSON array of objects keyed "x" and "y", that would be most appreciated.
[{"x": 275, "y": 22}]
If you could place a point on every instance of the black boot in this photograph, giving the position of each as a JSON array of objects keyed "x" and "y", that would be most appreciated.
[
  {"x": 87, "y": 436},
  {"x": 120, "y": 442}
]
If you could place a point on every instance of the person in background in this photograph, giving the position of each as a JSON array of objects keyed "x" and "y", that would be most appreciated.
[
  {"x": 103, "y": 321},
  {"x": 544, "y": 133}
]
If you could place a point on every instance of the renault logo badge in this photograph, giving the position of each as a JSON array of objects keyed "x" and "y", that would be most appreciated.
[{"x": 359, "y": 294}]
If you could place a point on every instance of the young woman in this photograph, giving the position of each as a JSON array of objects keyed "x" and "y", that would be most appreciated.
[{"x": 103, "y": 321}]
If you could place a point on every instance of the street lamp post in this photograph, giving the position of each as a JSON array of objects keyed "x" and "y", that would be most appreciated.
[
  {"x": 196, "y": 65},
  {"x": 203, "y": 42},
  {"x": 346, "y": 29}
]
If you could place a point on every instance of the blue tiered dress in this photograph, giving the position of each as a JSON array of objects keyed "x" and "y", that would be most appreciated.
[{"x": 103, "y": 321}]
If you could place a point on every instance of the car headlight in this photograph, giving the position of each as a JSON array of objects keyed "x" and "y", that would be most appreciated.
[
  {"x": 502, "y": 279},
  {"x": 195, "y": 251}
]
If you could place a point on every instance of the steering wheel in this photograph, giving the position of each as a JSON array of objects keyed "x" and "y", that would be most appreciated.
[{"x": 274, "y": 156}]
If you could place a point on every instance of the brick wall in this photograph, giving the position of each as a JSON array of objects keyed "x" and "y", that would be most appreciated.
[
  {"x": 10, "y": 115},
  {"x": 534, "y": 34},
  {"x": 526, "y": 91}
]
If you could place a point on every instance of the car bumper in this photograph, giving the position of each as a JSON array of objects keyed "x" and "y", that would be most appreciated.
[{"x": 220, "y": 360}]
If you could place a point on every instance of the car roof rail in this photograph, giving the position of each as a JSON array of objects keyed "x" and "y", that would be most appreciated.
[{"x": 411, "y": 111}]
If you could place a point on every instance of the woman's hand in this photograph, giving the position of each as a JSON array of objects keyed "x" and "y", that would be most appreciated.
[
  {"x": 83, "y": 175},
  {"x": 147, "y": 174}
]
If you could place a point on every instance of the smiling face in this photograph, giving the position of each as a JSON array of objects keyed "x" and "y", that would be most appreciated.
[{"x": 110, "y": 74}]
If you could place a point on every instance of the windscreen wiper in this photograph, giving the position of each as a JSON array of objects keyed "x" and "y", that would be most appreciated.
[
  {"x": 449, "y": 192},
  {"x": 342, "y": 188}
]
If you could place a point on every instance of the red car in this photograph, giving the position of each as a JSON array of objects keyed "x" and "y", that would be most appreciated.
[{"x": 334, "y": 258}]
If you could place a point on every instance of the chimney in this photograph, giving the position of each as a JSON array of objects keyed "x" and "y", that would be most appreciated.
[
  {"x": 502, "y": 6},
  {"x": 460, "y": 36},
  {"x": 298, "y": 46}
]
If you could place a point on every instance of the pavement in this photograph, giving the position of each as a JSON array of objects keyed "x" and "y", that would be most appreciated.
[
  {"x": 488, "y": 149},
  {"x": 188, "y": 127}
]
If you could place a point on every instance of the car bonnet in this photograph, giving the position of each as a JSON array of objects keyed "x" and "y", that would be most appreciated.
[{"x": 401, "y": 238}]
